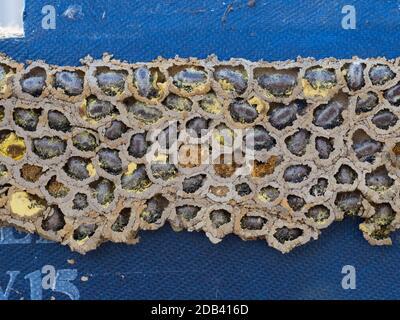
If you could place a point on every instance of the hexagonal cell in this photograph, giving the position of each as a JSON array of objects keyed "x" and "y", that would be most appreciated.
[
  {"x": 26, "y": 205},
  {"x": 378, "y": 226},
  {"x": 298, "y": 141},
  {"x": 210, "y": 103},
  {"x": 103, "y": 191},
  {"x": 324, "y": 147},
  {"x": 96, "y": 109},
  {"x": 154, "y": 209},
  {"x": 296, "y": 173},
  {"x": 84, "y": 232},
  {"x": 365, "y": 147},
  {"x": 27, "y": 119},
  {"x": 219, "y": 218},
  {"x": 85, "y": 141},
  {"x": 34, "y": 81},
  {"x": 252, "y": 222},
  {"x": 318, "y": 80},
  {"x": 281, "y": 115},
  {"x": 219, "y": 191},
  {"x": 71, "y": 82},
  {"x": 319, "y": 188},
  {"x": 176, "y": 103},
  {"x": 57, "y": 121},
  {"x": 231, "y": 78},
  {"x": 111, "y": 82},
  {"x": 354, "y": 75},
  {"x": 296, "y": 203},
  {"x": 243, "y": 189},
  {"x": 350, "y": 202},
  {"x": 163, "y": 170},
  {"x": 329, "y": 116},
  {"x": 142, "y": 112},
  {"x": 11, "y": 145},
  {"x": 366, "y": 102},
  {"x": 242, "y": 111},
  {"x": 277, "y": 83},
  {"x": 31, "y": 172},
  {"x": 136, "y": 178},
  {"x": 194, "y": 183},
  {"x": 380, "y": 74},
  {"x": 268, "y": 193},
  {"x": 318, "y": 213},
  {"x": 79, "y": 168},
  {"x": 225, "y": 166},
  {"x": 261, "y": 169},
  {"x": 384, "y": 119},
  {"x": 346, "y": 175},
  {"x": 149, "y": 82},
  {"x": 379, "y": 179},
  {"x": 285, "y": 234},
  {"x": 187, "y": 212},
  {"x": 258, "y": 138},
  {"x": 189, "y": 78},
  {"x": 115, "y": 130},
  {"x": 110, "y": 161},
  {"x": 197, "y": 127},
  {"x": 54, "y": 221},
  {"x": 56, "y": 189},
  {"x": 80, "y": 201},
  {"x": 122, "y": 220},
  {"x": 393, "y": 95},
  {"x": 48, "y": 147}
]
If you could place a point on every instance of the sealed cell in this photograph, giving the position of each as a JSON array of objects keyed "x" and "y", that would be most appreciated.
[
  {"x": 194, "y": 183},
  {"x": 350, "y": 202},
  {"x": 296, "y": 173},
  {"x": 243, "y": 189},
  {"x": 80, "y": 201},
  {"x": 393, "y": 95},
  {"x": 115, "y": 130},
  {"x": 379, "y": 179},
  {"x": 56, "y": 188},
  {"x": 110, "y": 161},
  {"x": 55, "y": 221},
  {"x": 320, "y": 78},
  {"x": 380, "y": 74},
  {"x": 197, "y": 126},
  {"x": 219, "y": 218},
  {"x": 329, "y": 116},
  {"x": 189, "y": 79},
  {"x": 346, "y": 175},
  {"x": 143, "y": 112},
  {"x": 84, "y": 232},
  {"x": 285, "y": 234},
  {"x": 34, "y": 81},
  {"x": 318, "y": 213},
  {"x": 319, "y": 188},
  {"x": 365, "y": 147},
  {"x": 366, "y": 102},
  {"x": 324, "y": 147},
  {"x": 384, "y": 119},
  {"x": 282, "y": 116},
  {"x": 79, "y": 168},
  {"x": 154, "y": 209},
  {"x": 48, "y": 147},
  {"x": 297, "y": 142},
  {"x": 96, "y": 109},
  {"x": 111, "y": 82},
  {"x": 252, "y": 222},
  {"x": 122, "y": 220},
  {"x": 138, "y": 145},
  {"x": 27, "y": 119},
  {"x": 71, "y": 82},
  {"x": 177, "y": 103},
  {"x": 258, "y": 138},
  {"x": 85, "y": 141},
  {"x": 268, "y": 193},
  {"x": 231, "y": 79},
  {"x": 354, "y": 75},
  {"x": 243, "y": 112},
  {"x": 210, "y": 103},
  {"x": 187, "y": 212},
  {"x": 278, "y": 83},
  {"x": 57, "y": 121},
  {"x": 296, "y": 203},
  {"x": 103, "y": 191}
]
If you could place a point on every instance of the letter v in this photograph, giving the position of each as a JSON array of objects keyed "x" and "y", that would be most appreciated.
[{"x": 13, "y": 275}]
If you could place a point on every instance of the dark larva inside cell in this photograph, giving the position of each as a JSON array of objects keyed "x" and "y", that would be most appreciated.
[
  {"x": 80, "y": 201},
  {"x": 187, "y": 212},
  {"x": 84, "y": 231},
  {"x": 163, "y": 171},
  {"x": 285, "y": 234},
  {"x": 380, "y": 74},
  {"x": 194, "y": 183},
  {"x": 143, "y": 81},
  {"x": 384, "y": 119},
  {"x": 319, "y": 188},
  {"x": 34, "y": 81},
  {"x": 103, "y": 191},
  {"x": 27, "y": 119},
  {"x": 258, "y": 138},
  {"x": 77, "y": 168},
  {"x": 393, "y": 95},
  {"x": 31, "y": 172},
  {"x": 366, "y": 102},
  {"x": 197, "y": 126},
  {"x": 320, "y": 78},
  {"x": 269, "y": 193},
  {"x": 111, "y": 82},
  {"x": 281, "y": 115},
  {"x": 110, "y": 161},
  {"x": 177, "y": 103},
  {"x": 48, "y": 147},
  {"x": 235, "y": 79},
  {"x": 122, "y": 220},
  {"x": 242, "y": 111},
  {"x": 297, "y": 142},
  {"x": 98, "y": 109},
  {"x": 55, "y": 221},
  {"x": 57, "y": 189},
  {"x": 115, "y": 130},
  {"x": 219, "y": 218},
  {"x": 154, "y": 209},
  {"x": 189, "y": 78},
  {"x": 318, "y": 213},
  {"x": 379, "y": 179},
  {"x": 324, "y": 147},
  {"x": 346, "y": 175},
  {"x": 243, "y": 189},
  {"x": 365, "y": 147},
  {"x": 329, "y": 116},
  {"x": 355, "y": 75},
  {"x": 136, "y": 181},
  {"x": 350, "y": 202},
  {"x": 138, "y": 145},
  {"x": 85, "y": 141},
  {"x": 295, "y": 202},
  {"x": 296, "y": 173},
  {"x": 69, "y": 81},
  {"x": 278, "y": 84},
  {"x": 252, "y": 222},
  {"x": 143, "y": 112},
  {"x": 57, "y": 121}
]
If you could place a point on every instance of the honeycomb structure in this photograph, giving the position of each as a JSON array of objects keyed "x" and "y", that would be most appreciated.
[{"x": 264, "y": 150}]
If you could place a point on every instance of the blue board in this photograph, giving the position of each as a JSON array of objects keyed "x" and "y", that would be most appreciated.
[{"x": 169, "y": 265}]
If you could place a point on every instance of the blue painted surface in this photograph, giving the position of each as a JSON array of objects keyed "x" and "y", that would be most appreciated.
[{"x": 168, "y": 265}]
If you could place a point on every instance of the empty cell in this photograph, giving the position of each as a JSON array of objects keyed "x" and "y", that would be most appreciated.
[
  {"x": 318, "y": 213},
  {"x": 187, "y": 212},
  {"x": 346, "y": 175},
  {"x": 219, "y": 218},
  {"x": 350, "y": 202},
  {"x": 122, "y": 220}
]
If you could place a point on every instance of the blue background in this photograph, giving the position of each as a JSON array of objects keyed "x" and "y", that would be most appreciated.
[{"x": 169, "y": 265}]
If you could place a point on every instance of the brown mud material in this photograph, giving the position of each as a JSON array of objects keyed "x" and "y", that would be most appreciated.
[{"x": 265, "y": 150}]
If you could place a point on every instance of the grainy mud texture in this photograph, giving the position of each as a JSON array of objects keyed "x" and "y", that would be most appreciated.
[{"x": 275, "y": 151}]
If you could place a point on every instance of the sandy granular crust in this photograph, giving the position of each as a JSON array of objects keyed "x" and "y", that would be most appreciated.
[{"x": 287, "y": 195}]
